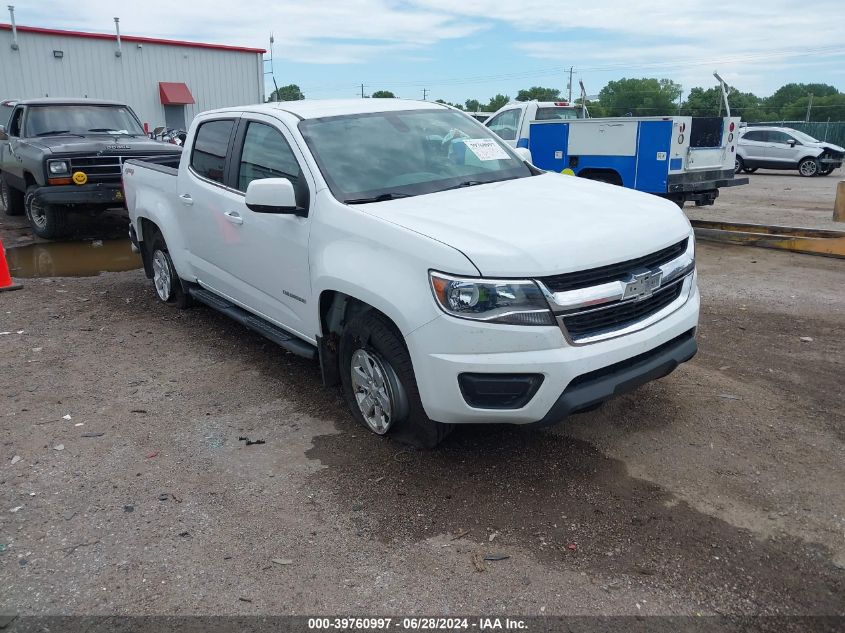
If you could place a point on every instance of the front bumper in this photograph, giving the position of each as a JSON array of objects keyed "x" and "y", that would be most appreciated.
[
  {"x": 447, "y": 347},
  {"x": 101, "y": 194}
]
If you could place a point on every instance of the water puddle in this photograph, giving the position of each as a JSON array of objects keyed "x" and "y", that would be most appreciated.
[{"x": 72, "y": 259}]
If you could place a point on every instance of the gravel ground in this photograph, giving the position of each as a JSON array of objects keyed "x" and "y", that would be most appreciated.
[
  {"x": 718, "y": 489},
  {"x": 777, "y": 197}
]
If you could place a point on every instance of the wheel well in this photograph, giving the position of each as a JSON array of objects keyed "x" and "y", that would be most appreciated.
[
  {"x": 336, "y": 309},
  {"x": 610, "y": 176},
  {"x": 148, "y": 230},
  {"x": 29, "y": 180}
]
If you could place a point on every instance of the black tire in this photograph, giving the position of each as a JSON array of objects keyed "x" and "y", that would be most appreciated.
[
  {"x": 749, "y": 170},
  {"x": 11, "y": 198},
  {"x": 809, "y": 167},
  {"x": 168, "y": 287},
  {"x": 373, "y": 333},
  {"x": 48, "y": 221},
  {"x": 739, "y": 164}
]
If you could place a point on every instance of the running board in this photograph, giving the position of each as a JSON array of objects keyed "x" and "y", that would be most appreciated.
[{"x": 255, "y": 323}]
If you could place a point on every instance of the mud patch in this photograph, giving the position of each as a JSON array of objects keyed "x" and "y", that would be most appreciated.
[
  {"x": 574, "y": 509},
  {"x": 72, "y": 259}
]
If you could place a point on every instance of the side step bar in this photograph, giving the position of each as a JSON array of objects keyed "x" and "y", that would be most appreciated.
[{"x": 255, "y": 323}]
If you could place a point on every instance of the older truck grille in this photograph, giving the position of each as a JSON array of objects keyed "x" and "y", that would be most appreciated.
[
  {"x": 103, "y": 169},
  {"x": 619, "y": 315},
  {"x": 612, "y": 272}
]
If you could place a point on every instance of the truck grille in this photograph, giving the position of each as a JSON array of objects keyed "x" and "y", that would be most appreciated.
[
  {"x": 619, "y": 315},
  {"x": 103, "y": 169},
  {"x": 612, "y": 272}
]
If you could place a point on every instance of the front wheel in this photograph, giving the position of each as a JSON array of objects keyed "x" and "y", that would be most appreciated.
[
  {"x": 379, "y": 384},
  {"x": 167, "y": 284},
  {"x": 48, "y": 221},
  {"x": 809, "y": 167},
  {"x": 12, "y": 199}
]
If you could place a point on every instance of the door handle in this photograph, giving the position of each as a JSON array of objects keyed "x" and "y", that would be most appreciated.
[
  {"x": 234, "y": 217},
  {"x": 186, "y": 199}
]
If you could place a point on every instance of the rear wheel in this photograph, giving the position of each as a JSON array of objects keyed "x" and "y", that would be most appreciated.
[
  {"x": 379, "y": 384},
  {"x": 46, "y": 220},
  {"x": 167, "y": 284},
  {"x": 749, "y": 170},
  {"x": 12, "y": 199},
  {"x": 809, "y": 167}
]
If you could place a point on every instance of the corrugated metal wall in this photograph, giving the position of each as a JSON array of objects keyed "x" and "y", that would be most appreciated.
[{"x": 217, "y": 78}]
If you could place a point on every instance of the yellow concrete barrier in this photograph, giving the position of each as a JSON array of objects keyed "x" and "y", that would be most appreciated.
[
  {"x": 787, "y": 238},
  {"x": 839, "y": 204}
]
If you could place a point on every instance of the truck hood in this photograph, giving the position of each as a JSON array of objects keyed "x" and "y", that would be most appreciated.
[
  {"x": 541, "y": 225},
  {"x": 103, "y": 144}
]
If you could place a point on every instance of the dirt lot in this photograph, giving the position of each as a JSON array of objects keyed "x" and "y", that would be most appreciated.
[
  {"x": 777, "y": 197},
  {"x": 716, "y": 490}
]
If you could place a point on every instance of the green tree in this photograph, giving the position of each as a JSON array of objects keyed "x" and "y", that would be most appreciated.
[
  {"x": 497, "y": 102},
  {"x": 383, "y": 94},
  {"x": 640, "y": 97},
  {"x": 472, "y": 105},
  {"x": 830, "y": 106},
  {"x": 454, "y": 105},
  {"x": 290, "y": 92},
  {"x": 709, "y": 102},
  {"x": 538, "y": 93},
  {"x": 791, "y": 93}
]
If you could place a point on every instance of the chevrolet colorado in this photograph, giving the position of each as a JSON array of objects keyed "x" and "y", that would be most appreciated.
[{"x": 438, "y": 277}]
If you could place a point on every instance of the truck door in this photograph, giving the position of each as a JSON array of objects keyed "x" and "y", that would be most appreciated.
[
  {"x": 506, "y": 125},
  {"x": 12, "y": 164},
  {"x": 269, "y": 260}
]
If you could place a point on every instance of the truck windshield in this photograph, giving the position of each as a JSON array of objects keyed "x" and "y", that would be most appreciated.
[
  {"x": 81, "y": 119},
  {"x": 385, "y": 155}
]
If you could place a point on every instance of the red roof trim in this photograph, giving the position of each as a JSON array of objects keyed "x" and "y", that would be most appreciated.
[
  {"x": 130, "y": 38},
  {"x": 175, "y": 93}
]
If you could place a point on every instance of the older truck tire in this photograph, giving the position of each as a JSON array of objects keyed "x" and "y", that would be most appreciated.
[
  {"x": 12, "y": 199},
  {"x": 378, "y": 382},
  {"x": 48, "y": 221}
]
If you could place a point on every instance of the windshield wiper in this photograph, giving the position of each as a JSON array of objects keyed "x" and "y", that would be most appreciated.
[
  {"x": 112, "y": 132},
  {"x": 57, "y": 132},
  {"x": 466, "y": 183},
  {"x": 382, "y": 197}
]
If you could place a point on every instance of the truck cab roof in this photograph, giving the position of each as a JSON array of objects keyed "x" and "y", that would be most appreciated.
[
  {"x": 67, "y": 101},
  {"x": 318, "y": 108}
]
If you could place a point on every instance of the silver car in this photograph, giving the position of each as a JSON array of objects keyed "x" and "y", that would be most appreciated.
[{"x": 785, "y": 148}]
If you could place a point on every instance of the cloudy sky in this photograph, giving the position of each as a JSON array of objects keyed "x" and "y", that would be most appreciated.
[{"x": 459, "y": 49}]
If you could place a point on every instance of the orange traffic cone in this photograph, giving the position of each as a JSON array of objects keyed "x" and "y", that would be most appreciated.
[{"x": 5, "y": 277}]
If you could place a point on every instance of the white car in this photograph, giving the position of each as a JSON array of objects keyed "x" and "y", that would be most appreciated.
[
  {"x": 436, "y": 275},
  {"x": 785, "y": 148}
]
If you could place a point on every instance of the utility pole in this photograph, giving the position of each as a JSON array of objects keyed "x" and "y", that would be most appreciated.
[
  {"x": 570, "y": 84},
  {"x": 425, "y": 93},
  {"x": 362, "y": 91},
  {"x": 809, "y": 108}
]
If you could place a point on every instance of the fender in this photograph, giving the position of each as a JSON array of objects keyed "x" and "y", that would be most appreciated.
[{"x": 379, "y": 263}]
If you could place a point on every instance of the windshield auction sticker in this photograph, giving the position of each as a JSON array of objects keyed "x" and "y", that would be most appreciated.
[{"x": 486, "y": 149}]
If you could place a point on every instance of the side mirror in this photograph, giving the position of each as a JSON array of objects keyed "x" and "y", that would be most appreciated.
[
  {"x": 524, "y": 153},
  {"x": 791, "y": 142},
  {"x": 272, "y": 195},
  {"x": 3, "y": 135}
]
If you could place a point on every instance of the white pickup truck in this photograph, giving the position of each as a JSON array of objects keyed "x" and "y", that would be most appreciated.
[{"x": 438, "y": 277}]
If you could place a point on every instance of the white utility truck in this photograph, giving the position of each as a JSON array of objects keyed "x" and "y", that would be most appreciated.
[
  {"x": 680, "y": 158},
  {"x": 438, "y": 277}
]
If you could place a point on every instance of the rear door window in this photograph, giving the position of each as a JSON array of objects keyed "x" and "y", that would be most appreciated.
[
  {"x": 754, "y": 135},
  {"x": 208, "y": 156}
]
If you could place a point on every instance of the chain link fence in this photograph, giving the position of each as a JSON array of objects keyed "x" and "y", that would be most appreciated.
[{"x": 831, "y": 131}]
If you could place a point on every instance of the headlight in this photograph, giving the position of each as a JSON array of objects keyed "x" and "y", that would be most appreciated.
[
  {"x": 57, "y": 167},
  {"x": 492, "y": 301}
]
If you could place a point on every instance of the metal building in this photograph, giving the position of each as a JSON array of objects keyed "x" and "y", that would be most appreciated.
[{"x": 165, "y": 82}]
